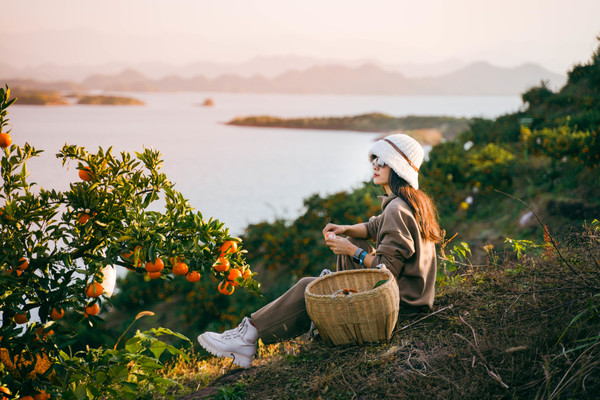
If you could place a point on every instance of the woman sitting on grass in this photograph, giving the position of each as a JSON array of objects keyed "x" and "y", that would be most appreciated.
[{"x": 405, "y": 234}]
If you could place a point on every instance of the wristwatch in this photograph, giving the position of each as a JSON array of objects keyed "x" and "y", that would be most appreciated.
[{"x": 356, "y": 256}]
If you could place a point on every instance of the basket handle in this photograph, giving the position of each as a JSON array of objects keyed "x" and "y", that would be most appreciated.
[{"x": 325, "y": 272}]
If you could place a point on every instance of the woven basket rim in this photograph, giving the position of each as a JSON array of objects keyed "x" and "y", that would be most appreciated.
[{"x": 367, "y": 293}]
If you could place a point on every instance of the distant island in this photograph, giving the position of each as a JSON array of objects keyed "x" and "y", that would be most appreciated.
[
  {"x": 209, "y": 102},
  {"x": 27, "y": 96},
  {"x": 426, "y": 129},
  {"x": 39, "y": 97},
  {"x": 109, "y": 101}
]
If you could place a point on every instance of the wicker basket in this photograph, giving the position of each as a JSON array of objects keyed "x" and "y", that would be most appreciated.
[{"x": 369, "y": 315}]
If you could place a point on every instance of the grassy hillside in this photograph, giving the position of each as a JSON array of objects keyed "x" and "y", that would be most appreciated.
[{"x": 525, "y": 327}]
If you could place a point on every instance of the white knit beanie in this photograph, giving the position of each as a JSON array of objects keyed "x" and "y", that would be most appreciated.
[{"x": 403, "y": 154}]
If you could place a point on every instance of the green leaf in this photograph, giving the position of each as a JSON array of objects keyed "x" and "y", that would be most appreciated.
[
  {"x": 381, "y": 282},
  {"x": 152, "y": 252},
  {"x": 81, "y": 391},
  {"x": 118, "y": 373},
  {"x": 157, "y": 348},
  {"x": 133, "y": 345},
  {"x": 165, "y": 331},
  {"x": 177, "y": 352}
]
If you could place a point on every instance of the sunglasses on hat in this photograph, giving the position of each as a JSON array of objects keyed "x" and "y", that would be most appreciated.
[{"x": 378, "y": 162}]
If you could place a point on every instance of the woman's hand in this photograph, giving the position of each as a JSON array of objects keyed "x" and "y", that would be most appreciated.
[
  {"x": 341, "y": 246},
  {"x": 337, "y": 229}
]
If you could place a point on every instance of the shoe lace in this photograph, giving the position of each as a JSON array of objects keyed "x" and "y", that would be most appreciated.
[{"x": 235, "y": 332}]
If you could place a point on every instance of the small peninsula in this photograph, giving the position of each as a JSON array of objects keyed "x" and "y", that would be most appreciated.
[
  {"x": 426, "y": 129},
  {"x": 39, "y": 97}
]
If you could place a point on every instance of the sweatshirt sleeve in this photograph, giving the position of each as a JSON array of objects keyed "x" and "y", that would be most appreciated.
[
  {"x": 372, "y": 226},
  {"x": 396, "y": 243}
]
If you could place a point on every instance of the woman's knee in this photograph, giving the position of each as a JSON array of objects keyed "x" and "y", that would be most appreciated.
[{"x": 304, "y": 282}]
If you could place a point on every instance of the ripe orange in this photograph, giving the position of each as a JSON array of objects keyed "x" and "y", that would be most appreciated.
[
  {"x": 234, "y": 273},
  {"x": 246, "y": 274},
  {"x": 42, "y": 395},
  {"x": 26, "y": 398},
  {"x": 5, "y": 140},
  {"x": 95, "y": 289},
  {"x": 57, "y": 314},
  {"x": 175, "y": 260},
  {"x": 23, "y": 264},
  {"x": 228, "y": 247},
  {"x": 225, "y": 288},
  {"x": 20, "y": 318},
  {"x": 40, "y": 332},
  {"x": 222, "y": 265},
  {"x": 193, "y": 276},
  {"x": 180, "y": 268},
  {"x": 7, "y": 217},
  {"x": 155, "y": 266},
  {"x": 86, "y": 174},
  {"x": 5, "y": 390},
  {"x": 10, "y": 271},
  {"x": 154, "y": 275},
  {"x": 92, "y": 309},
  {"x": 83, "y": 218},
  {"x": 330, "y": 235},
  {"x": 127, "y": 256}
]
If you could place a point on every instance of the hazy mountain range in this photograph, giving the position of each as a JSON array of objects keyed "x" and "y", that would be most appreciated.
[
  {"x": 268, "y": 67},
  {"x": 473, "y": 79}
]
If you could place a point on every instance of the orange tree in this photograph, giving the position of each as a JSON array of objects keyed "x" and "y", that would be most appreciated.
[{"x": 55, "y": 246}]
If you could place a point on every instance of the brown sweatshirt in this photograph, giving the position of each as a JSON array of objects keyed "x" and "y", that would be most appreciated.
[{"x": 400, "y": 247}]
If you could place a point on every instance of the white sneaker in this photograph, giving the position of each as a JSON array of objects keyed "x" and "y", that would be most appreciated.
[{"x": 238, "y": 343}]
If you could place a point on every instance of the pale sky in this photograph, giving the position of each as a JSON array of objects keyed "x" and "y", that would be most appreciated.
[{"x": 553, "y": 33}]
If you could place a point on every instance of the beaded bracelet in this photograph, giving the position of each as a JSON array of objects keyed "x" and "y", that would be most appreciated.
[{"x": 362, "y": 257}]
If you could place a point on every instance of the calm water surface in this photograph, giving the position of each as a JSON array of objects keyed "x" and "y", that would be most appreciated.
[{"x": 236, "y": 174}]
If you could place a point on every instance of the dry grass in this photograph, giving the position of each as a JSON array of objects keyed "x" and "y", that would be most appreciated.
[{"x": 504, "y": 331}]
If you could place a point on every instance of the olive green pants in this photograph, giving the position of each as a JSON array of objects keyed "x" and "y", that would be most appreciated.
[{"x": 286, "y": 316}]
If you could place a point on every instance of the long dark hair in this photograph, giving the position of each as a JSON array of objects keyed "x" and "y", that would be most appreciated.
[{"x": 422, "y": 206}]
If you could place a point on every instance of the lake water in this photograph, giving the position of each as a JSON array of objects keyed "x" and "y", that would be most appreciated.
[{"x": 238, "y": 175}]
